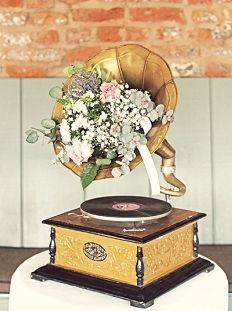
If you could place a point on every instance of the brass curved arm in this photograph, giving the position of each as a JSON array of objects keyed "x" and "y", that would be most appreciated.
[{"x": 167, "y": 153}]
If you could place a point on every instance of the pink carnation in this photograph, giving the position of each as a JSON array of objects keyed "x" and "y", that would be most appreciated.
[
  {"x": 79, "y": 152},
  {"x": 110, "y": 91}
]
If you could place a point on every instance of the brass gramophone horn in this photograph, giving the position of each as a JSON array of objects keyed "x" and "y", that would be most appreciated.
[{"x": 141, "y": 69}]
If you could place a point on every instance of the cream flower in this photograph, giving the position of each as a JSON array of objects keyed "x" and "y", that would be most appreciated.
[
  {"x": 79, "y": 151},
  {"x": 65, "y": 131},
  {"x": 79, "y": 106},
  {"x": 80, "y": 122}
]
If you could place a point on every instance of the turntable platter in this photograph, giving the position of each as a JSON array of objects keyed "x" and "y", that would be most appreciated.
[{"x": 125, "y": 208}]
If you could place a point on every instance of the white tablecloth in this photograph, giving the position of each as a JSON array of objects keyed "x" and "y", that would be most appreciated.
[{"x": 205, "y": 292}]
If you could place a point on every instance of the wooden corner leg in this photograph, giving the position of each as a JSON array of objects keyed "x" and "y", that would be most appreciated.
[
  {"x": 141, "y": 305},
  {"x": 38, "y": 277}
]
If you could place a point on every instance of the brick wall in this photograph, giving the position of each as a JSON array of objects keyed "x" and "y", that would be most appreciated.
[{"x": 39, "y": 37}]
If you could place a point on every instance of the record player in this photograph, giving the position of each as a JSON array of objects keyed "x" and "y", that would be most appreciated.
[{"x": 135, "y": 248}]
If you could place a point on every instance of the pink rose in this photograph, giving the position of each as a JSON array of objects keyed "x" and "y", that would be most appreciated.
[
  {"x": 110, "y": 91},
  {"x": 79, "y": 151}
]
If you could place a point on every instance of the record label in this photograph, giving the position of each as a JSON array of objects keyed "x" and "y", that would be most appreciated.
[{"x": 126, "y": 206}]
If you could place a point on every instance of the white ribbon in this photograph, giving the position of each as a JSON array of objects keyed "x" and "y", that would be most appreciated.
[{"x": 151, "y": 169}]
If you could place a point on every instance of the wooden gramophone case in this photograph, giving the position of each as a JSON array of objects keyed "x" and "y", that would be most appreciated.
[{"x": 136, "y": 265}]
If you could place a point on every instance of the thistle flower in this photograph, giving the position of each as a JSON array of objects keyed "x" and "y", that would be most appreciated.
[{"x": 84, "y": 81}]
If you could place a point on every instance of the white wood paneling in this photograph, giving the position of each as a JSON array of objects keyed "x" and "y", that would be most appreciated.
[
  {"x": 221, "y": 90},
  {"x": 10, "y": 228},
  {"x": 47, "y": 190},
  {"x": 190, "y": 136}
]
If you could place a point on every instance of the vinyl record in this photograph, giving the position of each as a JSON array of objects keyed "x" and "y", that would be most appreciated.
[{"x": 125, "y": 208}]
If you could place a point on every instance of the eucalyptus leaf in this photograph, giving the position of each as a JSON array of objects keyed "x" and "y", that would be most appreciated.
[
  {"x": 150, "y": 106},
  {"x": 48, "y": 123},
  {"x": 154, "y": 115},
  {"x": 125, "y": 169},
  {"x": 88, "y": 174},
  {"x": 111, "y": 154},
  {"x": 102, "y": 161},
  {"x": 116, "y": 172},
  {"x": 28, "y": 132},
  {"x": 52, "y": 133},
  {"x": 32, "y": 137},
  {"x": 128, "y": 156},
  {"x": 56, "y": 92},
  {"x": 39, "y": 130},
  {"x": 126, "y": 129},
  {"x": 127, "y": 138}
]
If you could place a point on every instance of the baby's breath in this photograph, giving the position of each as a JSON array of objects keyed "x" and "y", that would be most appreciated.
[{"x": 113, "y": 125}]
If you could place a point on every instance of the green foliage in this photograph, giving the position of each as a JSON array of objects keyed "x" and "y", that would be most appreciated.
[
  {"x": 56, "y": 92},
  {"x": 39, "y": 130},
  {"x": 48, "y": 124},
  {"x": 32, "y": 136},
  {"x": 90, "y": 171},
  {"x": 30, "y": 131},
  {"x": 88, "y": 174},
  {"x": 64, "y": 101},
  {"x": 74, "y": 68},
  {"x": 103, "y": 161},
  {"x": 111, "y": 154},
  {"x": 51, "y": 135}
]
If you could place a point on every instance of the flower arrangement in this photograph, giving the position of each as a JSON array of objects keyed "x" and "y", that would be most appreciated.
[{"x": 103, "y": 121}]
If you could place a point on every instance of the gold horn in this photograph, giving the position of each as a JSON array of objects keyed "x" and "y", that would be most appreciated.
[
  {"x": 167, "y": 153},
  {"x": 144, "y": 70}
]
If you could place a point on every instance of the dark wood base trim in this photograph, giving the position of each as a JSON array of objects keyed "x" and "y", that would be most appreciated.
[
  {"x": 138, "y": 296},
  {"x": 141, "y": 305}
]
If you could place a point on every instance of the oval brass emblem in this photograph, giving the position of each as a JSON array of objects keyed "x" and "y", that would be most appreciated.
[{"x": 94, "y": 251}]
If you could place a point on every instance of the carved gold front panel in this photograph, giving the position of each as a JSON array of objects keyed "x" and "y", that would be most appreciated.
[
  {"x": 167, "y": 253},
  {"x": 115, "y": 259},
  {"x": 74, "y": 252}
]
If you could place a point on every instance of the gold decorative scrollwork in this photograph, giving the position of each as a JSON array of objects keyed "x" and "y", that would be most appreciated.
[
  {"x": 166, "y": 254},
  {"x": 118, "y": 265},
  {"x": 160, "y": 256}
]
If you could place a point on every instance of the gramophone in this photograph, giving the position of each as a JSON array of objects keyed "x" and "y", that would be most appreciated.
[{"x": 135, "y": 248}]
